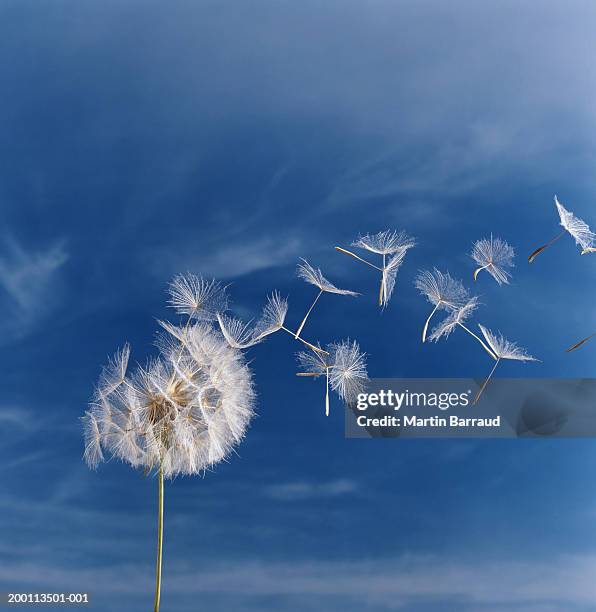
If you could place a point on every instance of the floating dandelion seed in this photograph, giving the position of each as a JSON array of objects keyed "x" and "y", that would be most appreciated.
[
  {"x": 495, "y": 256},
  {"x": 315, "y": 277},
  {"x": 580, "y": 343},
  {"x": 456, "y": 318},
  {"x": 344, "y": 368},
  {"x": 240, "y": 335},
  {"x": 442, "y": 291},
  {"x": 348, "y": 375},
  {"x": 503, "y": 349},
  {"x": 182, "y": 413},
  {"x": 113, "y": 375},
  {"x": 273, "y": 316},
  {"x": 578, "y": 229},
  {"x": 384, "y": 243},
  {"x": 196, "y": 297}
]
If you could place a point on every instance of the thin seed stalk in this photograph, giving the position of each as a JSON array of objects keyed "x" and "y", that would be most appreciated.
[
  {"x": 297, "y": 335},
  {"x": 382, "y": 288},
  {"x": 478, "y": 270},
  {"x": 159, "y": 538},
  {"x": 539, "y": 250},
  {"x": 425, "y": 329},
  {"x": 486, "y": 382},
  {"x": 484, "y": 346},
  {"x": 358, "y": 258},
  {"x": 578, "y": 344},
  {"x": 311, "y": 346}
]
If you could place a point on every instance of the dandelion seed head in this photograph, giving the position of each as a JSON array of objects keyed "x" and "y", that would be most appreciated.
[
  {"x": 93, "y": 453},
  {"x": 239, "y": 335},
  {"x": 453, "y": 319},
  {"x": 503, "y": 348},
  {"x": 441, "y": 290},
  {"x": 580, "y": 230},
  {"x": 390, "y": 274},
  {"x": 347, "y": 374},
  {"x": 495, "y": 256},
  {"x": 315, "y": 277},
  {"x": 186, "y": 409},
  {"x": 385, "y": 243},
  {"x": 313, "y": 362},
  {"x": 114, "y": 373},
  {"x": 273, "y": 317},
  {"x": 196, "y": 297}
]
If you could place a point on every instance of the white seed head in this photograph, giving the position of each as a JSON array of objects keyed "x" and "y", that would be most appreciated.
[
  {"x": 580, "y": 231},
  {"x": 185, "y": 410},
  {"x": 93, "y": 453},
  {"x": 273, "y": 317},
  {"x": 196, "y": 297},
  {"x": 453, "y": 319},
  {"x": 503, "y": 348},
  {"x": 390, "y": 274},
  {"x": 239, "y": 335},
  {"x": 495, "y": 256},
  {"x": 347, "y": 374},
  {"x": 315, "y": 277},
  {"x": 114, "y": 373},
  {"x": 313, "y": 362},
  {"x": 441, "y": 289},
  {"x": 385, "y": 243}
]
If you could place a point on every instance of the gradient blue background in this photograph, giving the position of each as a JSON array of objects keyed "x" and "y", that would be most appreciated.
[{"x": 142, "y": 139}]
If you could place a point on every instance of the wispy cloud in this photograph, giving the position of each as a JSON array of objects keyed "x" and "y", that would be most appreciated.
[
  {"x": 18, "y": 419},
  {"x": 233, "y": 259},
  {"x": 301, "y": 491},
  {"x": 403, "y": 583},
  {"x": 27, "y": 282}
]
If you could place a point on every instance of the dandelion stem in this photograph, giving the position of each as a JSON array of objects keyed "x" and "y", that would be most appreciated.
[
  {"x": 358, "y": 258},
  {"x": 327, "y": 393},
  {"x": 428, "y": 320},
  {"x": 159, "y": 538},
  {"x": 486, "y": 382},
  {"x": 578, "y": 344},
  {"x": 539, "y": 250},
  {"x": 588, "y": 250},
  {"x": 306, "y": 315},
  {"x": 484, "y": 346}
]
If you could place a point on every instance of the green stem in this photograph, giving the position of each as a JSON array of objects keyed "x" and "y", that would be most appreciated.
[
  {"x": 327, "y": 394},
  {"x": 159, "y": 539}
]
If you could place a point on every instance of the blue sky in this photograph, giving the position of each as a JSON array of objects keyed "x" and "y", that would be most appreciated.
[{"x": 138, "y": 140}]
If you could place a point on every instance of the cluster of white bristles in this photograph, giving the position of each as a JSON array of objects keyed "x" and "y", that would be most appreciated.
[{"x": 188, "y": 407}]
